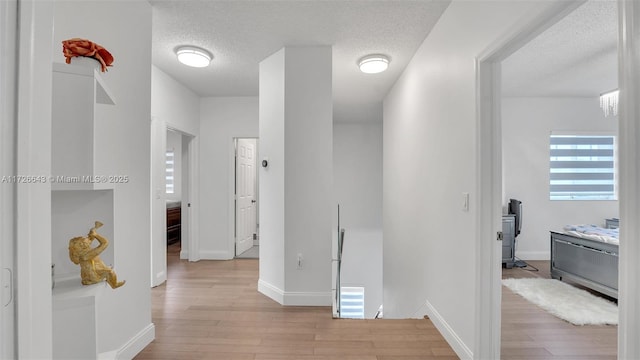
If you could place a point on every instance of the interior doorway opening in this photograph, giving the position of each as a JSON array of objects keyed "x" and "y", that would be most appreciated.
[
  {"x": 246, "y": 229},
  {"x": 491, "y": 172},
  {"x": 568, "y": 128}
]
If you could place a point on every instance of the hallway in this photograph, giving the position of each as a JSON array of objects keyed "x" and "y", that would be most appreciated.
[{"x": 212, "y": 310}]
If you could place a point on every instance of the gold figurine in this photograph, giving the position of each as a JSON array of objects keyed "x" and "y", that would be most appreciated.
[{"x": 92, "y": 269}]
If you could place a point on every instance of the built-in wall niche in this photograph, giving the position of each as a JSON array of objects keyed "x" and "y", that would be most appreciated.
[
  {"x": 79, "y": 94},
  {"x": 73, "y": 213}
]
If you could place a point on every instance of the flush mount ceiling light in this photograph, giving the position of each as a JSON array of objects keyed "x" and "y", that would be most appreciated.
[
  {"x": 373, "y": 64},
  {"x": 609, "y": 102},
  {"x": 193, "y": 56}
]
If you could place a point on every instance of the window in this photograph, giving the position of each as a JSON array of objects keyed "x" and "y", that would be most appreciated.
[
  {"x": 352, "y": 302},
  {"x": 169, "y": 161},
  {"x": 582, "y": 167}
]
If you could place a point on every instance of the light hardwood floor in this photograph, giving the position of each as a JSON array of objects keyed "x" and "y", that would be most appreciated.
[
  {"x": 212, "y": 310},
  {"x": 529, "y": 332}
]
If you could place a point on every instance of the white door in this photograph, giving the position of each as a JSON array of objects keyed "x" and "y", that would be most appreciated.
[
  {"x": 8, "y": 19},
  {"x": 245, "y": 194}
]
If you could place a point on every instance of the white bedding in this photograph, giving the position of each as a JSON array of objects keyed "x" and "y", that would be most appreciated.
[{"x": 593, "y": 232}]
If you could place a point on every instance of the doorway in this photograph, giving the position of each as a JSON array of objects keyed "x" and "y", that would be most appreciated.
[
  {"x": 173, "y": 191},
  {"x": 566, "y": 108},
  {"x": 491, "y": 171},
  {"x": 247, "y": 239},
  {"x": 174, "y": 186}
]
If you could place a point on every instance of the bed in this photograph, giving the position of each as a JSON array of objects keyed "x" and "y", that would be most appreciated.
[{"x": 586, "y": 255}]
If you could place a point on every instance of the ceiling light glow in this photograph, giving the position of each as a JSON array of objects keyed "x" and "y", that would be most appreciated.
[
  {"x": 373, "y": 64},
  {"x": 193, "y": 56}
]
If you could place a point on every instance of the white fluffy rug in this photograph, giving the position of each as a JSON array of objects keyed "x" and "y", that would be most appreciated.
[{"x": 569, "y": 303}]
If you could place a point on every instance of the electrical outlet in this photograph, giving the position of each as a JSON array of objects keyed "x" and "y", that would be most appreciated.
[{"x": 300, "y": 261}]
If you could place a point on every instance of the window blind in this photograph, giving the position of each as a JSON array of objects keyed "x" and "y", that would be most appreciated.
[
  {"x": 169, "y": 177},
  {"x": 582, "y": 167}
]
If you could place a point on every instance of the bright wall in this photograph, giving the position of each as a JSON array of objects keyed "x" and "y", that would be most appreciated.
[
  {"x": 357, "y": 166},
  {"x": 123, "y": 145},
  {"x": 272, "y": 180},
  {"x": 526, "y": 126},
  {"x": 429, "y": 153},
  {"x": 174, "y": 103},
  {"x": 296, "y": 190},
  {"x": 222, "y": 119}
]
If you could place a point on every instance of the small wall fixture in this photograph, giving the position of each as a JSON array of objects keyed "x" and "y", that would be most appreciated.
[
  {"x": 193, "y": 56},
  {"x": 373, "y": 64}
]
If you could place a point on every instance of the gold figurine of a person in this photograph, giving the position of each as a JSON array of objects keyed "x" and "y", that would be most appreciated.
[{"x": 92, "y": 269}]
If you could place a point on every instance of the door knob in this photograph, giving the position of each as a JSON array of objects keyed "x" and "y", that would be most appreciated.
[{"x": 253, "y": 201}]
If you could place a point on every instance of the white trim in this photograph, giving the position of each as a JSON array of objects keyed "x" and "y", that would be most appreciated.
[
  {"x": 629, "y": 146},
  {"x": 301, "y": 298},
  {"x": 271, "y": 291},
  {"x": 456, "y": 343},
  {"x": 8, "y": 123},
  {"x": 489, "y": 190},
  {"x": 489, "y": 174},
  {"x": 136, "y": 344},
  {"x": 158, "y": 239},
  {"x": 33, "y": 213},
  {"x": 193, "y": 197},
  {"x": 231, "y": 196},
  {"x": 295, "y": 298},
  {"x": 214, "y": 255}
]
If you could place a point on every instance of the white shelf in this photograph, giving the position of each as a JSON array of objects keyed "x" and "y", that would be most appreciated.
[
  {"x": 71, "y": 289},
  {"x": 78, "y": 89},
  {"x": 78, "y": 199},
  {"x": 86, "y": 67}
]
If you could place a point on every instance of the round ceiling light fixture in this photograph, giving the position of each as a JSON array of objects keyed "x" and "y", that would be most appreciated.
[
  {"x": 193, "y": 56},
  {"x": 373, "y": 64}
]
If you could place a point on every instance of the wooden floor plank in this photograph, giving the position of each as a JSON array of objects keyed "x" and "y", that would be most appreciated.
[
  {"x": 528, "y": 332},
  {"x": 212, "y": 310}
]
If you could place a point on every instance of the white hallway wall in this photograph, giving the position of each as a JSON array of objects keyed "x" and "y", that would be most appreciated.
[
  {"x": 429, "y": 162},
  {"x": 123, "y": 143},
  {"x": 221, "y": 120},
  {"x": 526, "y": 126}
]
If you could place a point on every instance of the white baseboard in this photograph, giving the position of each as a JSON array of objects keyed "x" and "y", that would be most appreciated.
[
  {"x": 137, "y": 343},
  {"x": 308, "y": 298},
  {"x": 271, "y": 291},
  {"x": 533, "y": 255},
  {"x": 295, "y": 298},
  {"x": 461, "y": 349},
  {"x": 215, "y": 255},
  {"x": 184, "y": 255}
]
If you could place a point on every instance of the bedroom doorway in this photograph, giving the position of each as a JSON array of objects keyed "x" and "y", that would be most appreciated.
[
  {"x": 247, "y": 239},
  {"x": 567, "y": 141},
  {"x": 179, "y": 192},
  {"x": 491, "y": 170}
]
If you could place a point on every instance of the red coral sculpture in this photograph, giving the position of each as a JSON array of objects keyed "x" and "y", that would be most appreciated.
[{"x": 83, "y": 47}]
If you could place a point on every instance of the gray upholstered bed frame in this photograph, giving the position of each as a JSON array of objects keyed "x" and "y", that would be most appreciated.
[{"x": 590, "y": 263}]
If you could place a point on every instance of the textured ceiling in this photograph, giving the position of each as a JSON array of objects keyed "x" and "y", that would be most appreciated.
[
  {"x": 575, "y": 57},
  {"x": 242, "y": 33}
]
